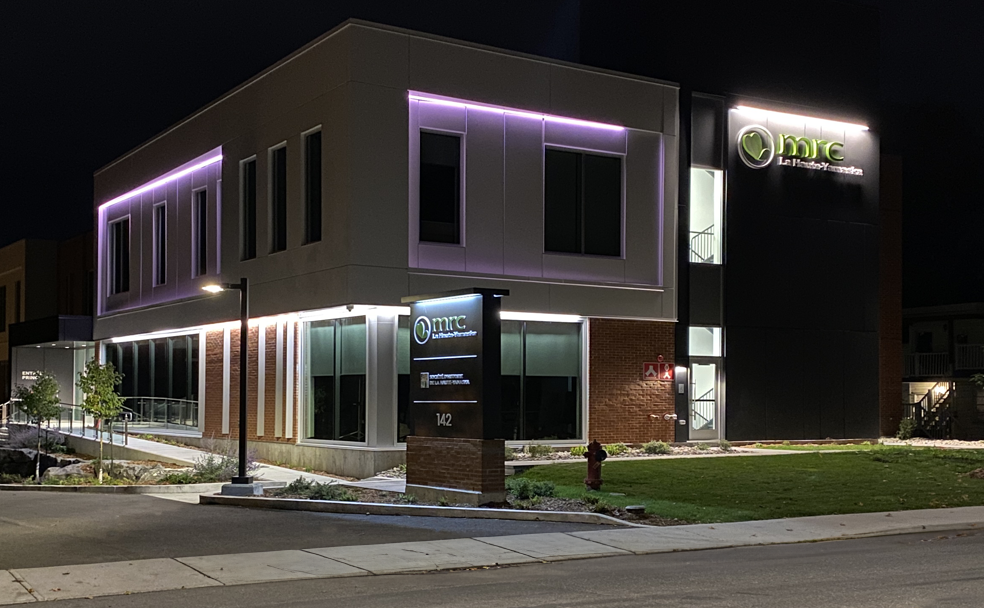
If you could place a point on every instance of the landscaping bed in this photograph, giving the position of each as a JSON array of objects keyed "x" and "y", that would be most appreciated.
[
  {"x": 751, "y": 487},
  {"x": 534, "y": 452},
  {"x": 522, "y": 495}
]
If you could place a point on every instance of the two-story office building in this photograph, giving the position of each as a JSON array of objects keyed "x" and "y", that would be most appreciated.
[{"x": 377, "y": 163}]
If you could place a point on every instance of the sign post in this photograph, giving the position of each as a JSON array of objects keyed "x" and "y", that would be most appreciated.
[{"x": 455, "y": 450}]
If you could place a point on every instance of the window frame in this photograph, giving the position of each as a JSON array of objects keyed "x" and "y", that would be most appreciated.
[
  {"x": 310, "y": 234},
  {"x": 304, "y": 395},
  {"x": 719, "y": 212},
  {"x": 622, "y": 202},
  {"x": 113, "y": 263},
  {"x": 460, "y": 136},
  {"x": 247, "y": 220},
  {"x": 274, "y": 245},
  {"x": 199, "y": 233},
  {"x": 159, "y": 257}
]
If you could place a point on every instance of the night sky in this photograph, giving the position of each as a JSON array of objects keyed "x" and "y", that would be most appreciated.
[{"x": 83, "y": 82}]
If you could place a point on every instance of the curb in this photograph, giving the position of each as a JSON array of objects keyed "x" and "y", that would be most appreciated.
[
  {"x": 372, "y": 508},
  {"x": 191, "y": 488}
]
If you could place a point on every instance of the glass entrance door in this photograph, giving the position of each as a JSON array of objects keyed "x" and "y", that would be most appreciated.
[{"x": 704, "y": 401}]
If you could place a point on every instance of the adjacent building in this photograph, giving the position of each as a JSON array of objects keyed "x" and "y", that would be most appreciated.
[{"x": 681, "y": 266}]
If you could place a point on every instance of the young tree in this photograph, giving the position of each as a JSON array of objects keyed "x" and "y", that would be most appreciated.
[
  {"x": 98, "y": 383},
  {"x": 39, "y": 402}
]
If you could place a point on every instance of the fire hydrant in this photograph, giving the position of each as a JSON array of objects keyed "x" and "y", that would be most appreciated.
[{"x": 595, "y": 455}]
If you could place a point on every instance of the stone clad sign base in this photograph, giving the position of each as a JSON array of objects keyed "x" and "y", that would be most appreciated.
[{"x": 457, "y": 470}]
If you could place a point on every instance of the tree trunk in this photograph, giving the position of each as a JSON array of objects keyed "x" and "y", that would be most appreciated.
[
  {"x": 37, "y": 464},
  {"x": 99, "y": 430}
]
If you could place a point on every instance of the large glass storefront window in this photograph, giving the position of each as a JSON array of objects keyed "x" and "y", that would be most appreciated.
[
  {"x": 541, "y": 384},
  {"x": 706, "y": 215},
  {"x": 160, "y": 379},
  {"x": 336, "y": 391},
  {"x": 541, "y": 380}
]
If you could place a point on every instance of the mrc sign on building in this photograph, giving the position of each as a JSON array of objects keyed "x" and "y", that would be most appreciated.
[{"x": 802, "y": 235}]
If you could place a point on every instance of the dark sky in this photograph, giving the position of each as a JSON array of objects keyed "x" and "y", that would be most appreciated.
[{"x": 85, "y": 81}]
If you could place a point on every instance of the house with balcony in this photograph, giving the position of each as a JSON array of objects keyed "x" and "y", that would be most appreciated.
[{"x": 943, "y": 346}]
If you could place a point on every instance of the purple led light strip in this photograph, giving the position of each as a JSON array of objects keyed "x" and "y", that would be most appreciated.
[
  {"x": 161, "y": 181},
  {"x": 499, "y": 110}
]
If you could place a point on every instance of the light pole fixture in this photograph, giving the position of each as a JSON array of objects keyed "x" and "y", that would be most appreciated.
[{"x": 243, "y": 287}]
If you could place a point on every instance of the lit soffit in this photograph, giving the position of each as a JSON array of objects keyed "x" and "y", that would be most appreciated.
[
  {"x": 760, "y": 113},
  {"x": 470, "y": 105}
]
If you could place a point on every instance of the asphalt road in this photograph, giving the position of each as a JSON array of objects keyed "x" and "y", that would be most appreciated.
[
  {"x": 938, "y": 570},
  {"x": 53, "y": 529}
]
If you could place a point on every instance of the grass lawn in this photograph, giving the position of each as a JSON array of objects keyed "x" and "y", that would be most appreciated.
[{"x": 765, "y": 487}]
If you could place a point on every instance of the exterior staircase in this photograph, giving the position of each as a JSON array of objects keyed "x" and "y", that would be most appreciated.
[{"x": 933, "y": 413}]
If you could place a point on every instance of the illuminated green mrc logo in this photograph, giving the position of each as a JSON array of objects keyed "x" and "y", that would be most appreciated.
[{"x": 757, "y": 147}]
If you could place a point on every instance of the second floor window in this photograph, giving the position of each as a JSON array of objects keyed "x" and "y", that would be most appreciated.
[
  {"x": 119, "y": 256},
  {"x": 160, "y": 244},
  {"x": 248, "y": 197},
  {"x": 440, "y": 188},
  {"x": 582, "y": 203},
  {"x": 278, "y": 199},
  {"x": 200, "y": 233},
  {"x": 3, "y": 308},
  {"x": 312, "y": 187}
]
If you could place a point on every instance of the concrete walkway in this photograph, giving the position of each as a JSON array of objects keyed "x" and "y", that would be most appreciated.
[{"x": 115, "y": 578}]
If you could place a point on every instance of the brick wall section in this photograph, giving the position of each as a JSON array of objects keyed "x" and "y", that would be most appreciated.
[
  {"x": 213, "y": 384},
  {"x": 620, "y": 402},
  {"x": 476, "y": 465},
  {"x": 890, "y": 295}
]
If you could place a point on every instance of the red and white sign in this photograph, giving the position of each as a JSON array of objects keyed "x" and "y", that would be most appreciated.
[{"x": 657, "y": 371}]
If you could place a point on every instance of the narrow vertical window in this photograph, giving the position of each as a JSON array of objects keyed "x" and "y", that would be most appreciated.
[
  {"x": 248, "y": 209},
  {"x": 582, "y": 203},
  {"x": 119, "y": 256},
  {"x": 200, "y": 233},
  {"x": 160, "y": 244},
  {"x": 17, "y": 302},
  {"x": 312, "y": 187},
  {"x": 3, "y": 309},
  {"x": 706, "y": 215},
  {"x": 440, "y": 188},
  {"x": 278, "y": 199}
]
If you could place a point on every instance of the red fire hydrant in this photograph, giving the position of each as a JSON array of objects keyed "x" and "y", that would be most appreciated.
[{"x": 595, "y": 455}]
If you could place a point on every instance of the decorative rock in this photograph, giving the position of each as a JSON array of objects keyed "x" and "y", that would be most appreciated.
[
  {"x": 635, "y": 509},
  {"x": 78, "y": 469}
]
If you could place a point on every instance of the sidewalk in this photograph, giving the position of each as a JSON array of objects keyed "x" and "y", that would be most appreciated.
[{"x": 115, "y": 578}]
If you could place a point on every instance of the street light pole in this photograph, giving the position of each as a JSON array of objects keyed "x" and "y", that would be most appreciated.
[
  {"x": 243, "y": 377},
  {"x": 242, "y": 479}
]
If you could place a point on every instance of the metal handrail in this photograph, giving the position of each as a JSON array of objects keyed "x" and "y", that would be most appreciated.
[{"x": 702, "y": 246}]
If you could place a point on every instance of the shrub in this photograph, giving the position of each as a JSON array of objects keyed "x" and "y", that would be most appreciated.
[
  {"x": 220, "y": 462},
  {"x": 318, "y": 491},
  {"x": 656, "y": 447},
  {"x": 614, "y": 449},
  {"x": 906, "y": 428},
  {"x": 178, "y": 478},
  {"x": 725, "y": 445},
  {"x": 11, "y": 478},
  {"x": 538, "y": 450},
  {"x": 786, "y": 442},
  {"x": 579, "y": 451},
  {"x": 526, "y": 489},
  {"x": 702, "y": 447},
  {"x": 510, "y": 453}
]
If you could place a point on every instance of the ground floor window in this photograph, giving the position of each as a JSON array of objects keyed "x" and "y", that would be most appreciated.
[
  {"x": 541, "y": 380},
  {"x": 160, "y": 378},
  {"x": 336, "y": 391}
]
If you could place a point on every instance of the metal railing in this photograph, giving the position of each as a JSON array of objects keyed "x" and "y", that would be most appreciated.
[
  {"x": 969, "y": 356},
  {"x": 703, "y": 246},
  {"x": 932, "y": 412},
  {"x": 162, "y": 412},
  {"x": 926, "y": 364},
  {"x": 704, "y": 410}
]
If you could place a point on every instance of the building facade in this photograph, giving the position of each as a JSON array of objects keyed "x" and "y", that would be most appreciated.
[{"x": 377, "y": 163}]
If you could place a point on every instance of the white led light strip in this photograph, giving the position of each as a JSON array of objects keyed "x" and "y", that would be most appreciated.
[{"x": 833, "y": 123}]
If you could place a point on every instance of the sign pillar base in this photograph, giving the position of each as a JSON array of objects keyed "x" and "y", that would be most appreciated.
[{"x": 458, "y": 470}]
